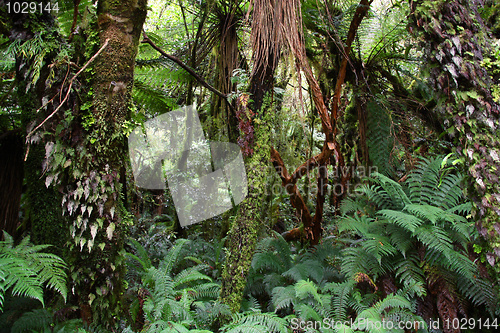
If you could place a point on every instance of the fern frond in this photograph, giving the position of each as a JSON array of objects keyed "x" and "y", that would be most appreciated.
[
  {"x": 35, "y": 320},
  {"x": 449, "y": 193},
  {"x": 393, "y": 189},
  {"x": 423, "y": 181},
  {"x": 208, "y": 313},
  {"x": 142, "y": 256},
  {"x": 307, "y": 313},
  {"x": 207, "y": 291},
  {"x": 410, "y": 273},
  {"x": 268, "y": 261},
  {"x": 378, "y": 246},
  {"x": 404, "y": 220},
  {"x": 340, "y": 300},
  {"x": 356, "y": 260},
  {"x": 189, "y": 275},
  {"x": 480, "y": 291},
  {"x": 304, "y": 270},
  {"x": 283, "y": 297},
  {"x": 434, "y": 237},
  {"x": 26, "y": 270},
  {"x": 171, "y": 259},
  {"x": 377, "y": 195},
  {"x": 350, "y": 205},
  {"x": 356, "y": 223},
  {"x": 392, "y": 301},
  {"x": 400, "y": 238},
  {"x": 428, "y": 212},
  {"x": 380, "y": 139},
  {"x": 306, "y": 288},
  {"x": 268, "y": 322},
  {"x": 152, "y": 99},
  {"x": 462, "y": 209}
]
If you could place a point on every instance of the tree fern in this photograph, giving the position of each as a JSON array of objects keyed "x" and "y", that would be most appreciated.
[
  {"x": 416, "y": 237},
  {"x": 177, "y": 300},
  {"x": 25, "y": 270}
]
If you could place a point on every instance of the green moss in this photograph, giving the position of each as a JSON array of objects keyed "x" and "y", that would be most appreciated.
[
  {"x": 43, "y": 205},
  {"x": 244, "y": 231}
]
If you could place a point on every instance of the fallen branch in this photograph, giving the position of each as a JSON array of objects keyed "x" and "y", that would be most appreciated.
[{"x": 186, "y": 68}]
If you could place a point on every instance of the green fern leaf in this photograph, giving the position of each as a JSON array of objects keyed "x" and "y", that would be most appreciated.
[
  {"x": 406, "y": 221},
  {"x": 305, "y": 288},
  {"x": 26, "y": 270},
  {"x": 428, "y": 212},
  {"x": 283, "y": 297},
  {"x": 35, "y": 320}
]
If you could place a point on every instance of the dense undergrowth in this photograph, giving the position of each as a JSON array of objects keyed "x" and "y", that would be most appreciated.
[{"x": 400, "y": 258}]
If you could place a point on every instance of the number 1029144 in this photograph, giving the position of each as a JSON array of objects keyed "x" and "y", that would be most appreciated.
[{"x": 31, "y": 7}]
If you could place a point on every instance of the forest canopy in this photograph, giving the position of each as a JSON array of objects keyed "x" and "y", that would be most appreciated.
[{"x": 249, "y": 166}]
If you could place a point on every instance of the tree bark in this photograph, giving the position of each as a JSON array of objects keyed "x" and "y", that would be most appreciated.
[
  {"x": 451, "y": 35},
  {"x": 92, "y": 198},
  {"x": 242, "y": 236},
  {"x": 296, "y": 44}
]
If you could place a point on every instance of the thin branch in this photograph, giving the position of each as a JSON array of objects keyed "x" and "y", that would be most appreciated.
[
  {"x": 360, "y": 13},
  {"x": 187, "y": 69},
  {"x": 184, "y": 19},
  {"x": 69, "y": 88},
  {"x": 76, "y": 3}
]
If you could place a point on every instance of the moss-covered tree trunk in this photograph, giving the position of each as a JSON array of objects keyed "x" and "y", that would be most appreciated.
[
  {"x": 92, "y": 196},
  {"x": 455, "y": 41},
  {"x": 242, "y": 236}
]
